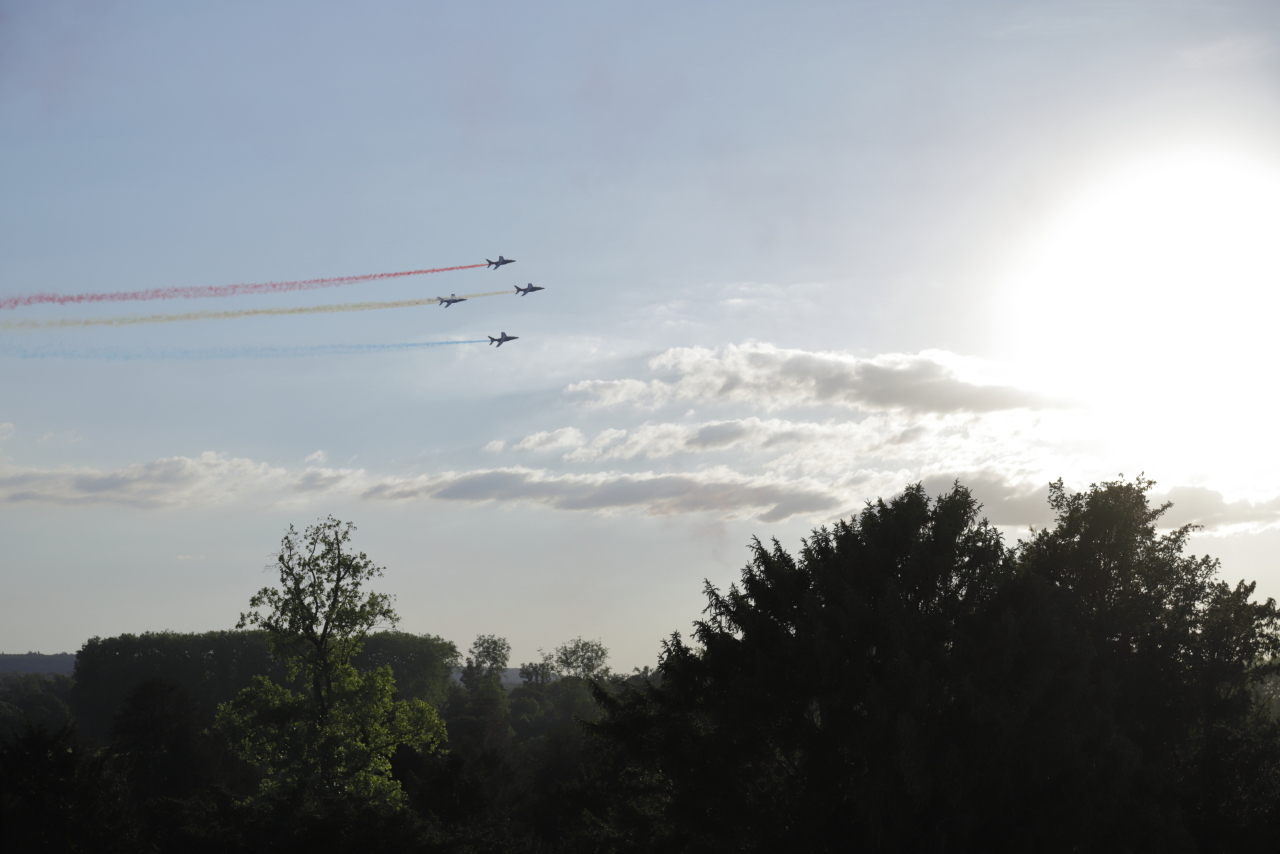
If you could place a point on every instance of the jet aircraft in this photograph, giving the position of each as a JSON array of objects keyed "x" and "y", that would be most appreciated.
[
  {"x": 496, "y": 264},
  {"x": 503, "y": 340},
  {"x": 532, "y": 287},
  {"x": 450, "y": 300}
]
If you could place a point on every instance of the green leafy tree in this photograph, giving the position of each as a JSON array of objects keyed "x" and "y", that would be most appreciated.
[
  {"x": 334, "y": 739},
  {"x": 583, "y": 659},
  {"x": 486, "y": 661}
]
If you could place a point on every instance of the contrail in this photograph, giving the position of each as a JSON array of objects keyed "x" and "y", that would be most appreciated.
[
  {"x": 134, "y": 319},
  {"x": 216, "y": 290},
  {"x": 212, "y": 353}
]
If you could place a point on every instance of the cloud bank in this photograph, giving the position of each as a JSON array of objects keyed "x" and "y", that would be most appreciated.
[
  {"x": 1197, "y": 505},
  {"x": 772, "y": 378},
  {"x": 722, "y": 492},
  {"x": 214, "y": 479}
]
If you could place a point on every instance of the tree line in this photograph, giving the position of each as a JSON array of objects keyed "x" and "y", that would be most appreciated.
[{"x": 907, "y": 681}]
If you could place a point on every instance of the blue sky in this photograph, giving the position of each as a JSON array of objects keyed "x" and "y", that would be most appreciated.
[{"x": 796, "y": 256}]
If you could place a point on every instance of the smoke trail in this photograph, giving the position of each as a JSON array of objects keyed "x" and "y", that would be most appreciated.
[
  {"x": 215, "y": 290},
  {"x": 216, "y": 353},
  {"x": 134, "y": 319}
]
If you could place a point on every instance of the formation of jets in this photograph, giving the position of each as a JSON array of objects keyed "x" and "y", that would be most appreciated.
[{"x": 504, "y": 337}]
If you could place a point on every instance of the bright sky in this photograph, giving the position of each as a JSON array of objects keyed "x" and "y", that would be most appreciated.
[{"x": 796, "y": 256}]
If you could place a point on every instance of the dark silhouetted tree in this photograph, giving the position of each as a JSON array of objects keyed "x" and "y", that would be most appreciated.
[
  {"x": 58, "y": 796},
  {"x": 911, "y": 684}
]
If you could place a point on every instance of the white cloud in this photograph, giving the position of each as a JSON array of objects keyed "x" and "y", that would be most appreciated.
[
  {"x": 6, "y": 430},
  {"x": 565, "y": 437},
  {"x": 773, "y": 378},
  {"x": 495, "y": 446},
  {"x": 317, "y": 457},
  {"x": 651, "y": 441},
  {"x": 1013, "y": 442}
]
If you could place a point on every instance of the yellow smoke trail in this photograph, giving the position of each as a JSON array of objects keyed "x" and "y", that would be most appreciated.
[{"x": 132, "y": 319}]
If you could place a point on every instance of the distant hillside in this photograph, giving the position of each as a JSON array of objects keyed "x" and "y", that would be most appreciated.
[{"x": 35, "y": 662}]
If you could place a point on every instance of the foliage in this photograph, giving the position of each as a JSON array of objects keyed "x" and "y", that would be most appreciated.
[
  {"x": 212, "y": 667},
  {"x": 583, "y": 659},
  {"x": 35, "y": 698},
  {"x": 56, "y": 795},
  {"x": 423, "y": 664},
  {"x": 319, "y": 616},
  {"x": 164, "y": 745},
  {"x": 911, "y": 684},
  {"x": 334, "y": 739},
  {"x": 486, "y": 661},
  {"x": 337, "y": 750}
]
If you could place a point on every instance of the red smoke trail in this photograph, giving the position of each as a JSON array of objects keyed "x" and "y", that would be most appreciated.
[{"x": 216, "y": 290}]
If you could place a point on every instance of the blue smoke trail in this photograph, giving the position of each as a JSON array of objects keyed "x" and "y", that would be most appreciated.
[{"x": 214, "y": 353}]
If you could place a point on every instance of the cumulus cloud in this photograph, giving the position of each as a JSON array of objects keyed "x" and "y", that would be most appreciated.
[
  {"x": 893, "y": 441},
  {"x": 565, "y": 437},
  {"x": 773, "y": 378},
  {"x": 316, "y": 457},
  {"x": 651, "y": 441},
  {"x": 1197, "y": 505},
  {"x": 495, "y": 446}
]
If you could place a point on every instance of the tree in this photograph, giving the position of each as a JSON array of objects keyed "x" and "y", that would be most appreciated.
[
  {"x": 583, "y": 659},
  {"x": 486, "y": 661},
  {"x": 1184, "y": 659},
  {"x": 58, "y": 795},
  {"x": 333, "y": 739},
  {"x": 910, "y": 683},
  {"x": 159, "y": 736}
]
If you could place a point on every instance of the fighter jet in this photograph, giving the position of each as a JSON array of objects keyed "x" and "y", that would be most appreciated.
[
  {"x": 532, "y": 287},
  {"x": 502, "y": 340},
  {"x": 450, "y": 300},
  {"x": 496, "y": 264}
]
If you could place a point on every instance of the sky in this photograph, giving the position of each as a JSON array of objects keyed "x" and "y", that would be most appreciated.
[{"x": 795, "y": 257}]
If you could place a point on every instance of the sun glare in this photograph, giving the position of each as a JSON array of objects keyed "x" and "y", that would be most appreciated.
[{"x": 1153, "y": 298}]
